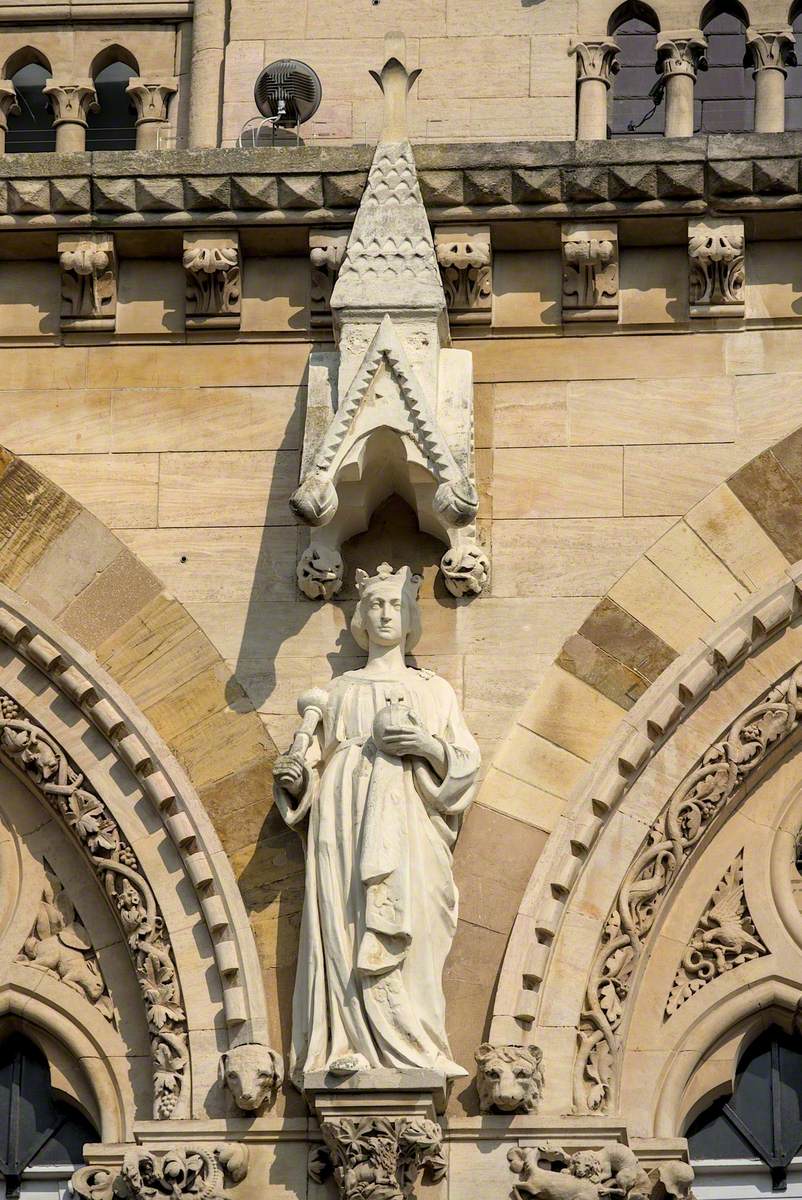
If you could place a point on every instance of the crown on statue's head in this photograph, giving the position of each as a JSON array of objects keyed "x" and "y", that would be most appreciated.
[{"x": 406, "y": 581}]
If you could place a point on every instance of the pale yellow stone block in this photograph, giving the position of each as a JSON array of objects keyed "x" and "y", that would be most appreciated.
[
  {"x": 287, "y": 19},
  {"x": 214, "y": 418},
  {"x": 570, "y": 713},
  {"x": 688, "y": 561},
  {"x": 650, "y": 411},
  {"x": 152, "y": 44},
  {"x": 51, "y": 422},
  {"x": 650, "y": 596},
  {"x": 474, "y": 17},
  {"x": 489, "y": 66},
  {"x": 172, "y": 366},
  {"x": 558, "y": 482},
  {"x": 773, "y": 279},
  {"x": 248, "y": 487},
  {"x": 547, "y": 117},
  {"x": 220, "y": 564},
  {"x": 653, "y": 285},
  {"x": 553, "y": 70},
  {"x": 594, "y": 356},
  {"x": 527, "y": 288},
  {"x": 733, "y": 534},
  {"x": 539, "y": 762},
  {"x": 275, "y": 294},
  {"x": 150, "y": 296},
  {"x": 671, "y": 479},
  {"x": 531, "y": 414},
  {"x": 36, "y": 368},
  {"x": 759, "y": 351},
  {"x": 767, "y": 407},
  {"x": 343, "y": 63},
  {"x": 120, "y": 489},
  {"x": 30, "y": 298},
  {"x": 414, "y": 18}
]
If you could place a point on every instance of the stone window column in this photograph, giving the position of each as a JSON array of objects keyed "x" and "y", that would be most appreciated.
[
  {"x": 679, "y": 57},
  {"x": 71, "y": 103},
  {"x": 596, "y": 63},
  {"x": 150, "y": 101},
  {"x": 772, "y": 53},
  {"x": 8, "y": 107}
]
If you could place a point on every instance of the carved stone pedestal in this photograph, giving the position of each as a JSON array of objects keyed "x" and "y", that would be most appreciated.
[{"x": 379, "y": 1131}]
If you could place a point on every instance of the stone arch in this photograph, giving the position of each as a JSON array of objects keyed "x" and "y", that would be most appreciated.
[
  {"x": 112, "y": 54},
  {"x": 631, "y": 10},
  {"x": 24, "y": 57},
  {"x": 87, "y": 739}
]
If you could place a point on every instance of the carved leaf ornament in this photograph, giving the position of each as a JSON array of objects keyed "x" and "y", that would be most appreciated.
[
  {"x": 39, "y": 758},
  {"x": 378, "y": 1158},
  {"x": 706, "y": 792}
]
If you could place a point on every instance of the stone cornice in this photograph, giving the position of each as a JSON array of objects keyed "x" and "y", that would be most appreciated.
[{"x": 323, "y": 185}]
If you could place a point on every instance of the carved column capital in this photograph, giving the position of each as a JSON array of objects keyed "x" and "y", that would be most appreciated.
[
  {"x": 326, "y": 253},
  {"x": 88, "y": 280},
  {"x": 71, "y": 102},
  {"x": 590, "y": 272},
  {"x": 716, "y": 262},
  {"x": 378, "y": 1158},
  {"x": 465, "y": 258},
  {"x": 212, "y": 265},
  {"x": 681, "y": 54},
  {"x": 150, "y": 101},
  {"x": 771, "y": 50},
  {"x": 596, "y": 60}
]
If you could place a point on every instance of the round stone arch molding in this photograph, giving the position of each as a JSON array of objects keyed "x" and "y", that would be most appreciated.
[
  {"x": 75, "y": 736},
  {"x": 702, "y": 743}
]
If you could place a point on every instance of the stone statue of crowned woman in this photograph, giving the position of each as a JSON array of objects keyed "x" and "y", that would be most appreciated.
[{"x": 377, "y": 781}]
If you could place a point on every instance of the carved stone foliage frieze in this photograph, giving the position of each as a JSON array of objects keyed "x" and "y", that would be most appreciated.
[
  {"x": 699, "y": 800},
  {"x": 59, "y": 943},
  {"x": 326, "y": 253},
  {"x": 88, "y": 281},
  {"x": 186, "y": 1173},
  {"x": 590, "y": 273},
  {"x": 214, "y": 291},
  {"x": 251, "y": 1072},
  {"x": 509, "y": 1078},
  {"x": 378, "y": 1158},
  {"x": 465, "y": 258},
  {"x": 34, "y": 753},
  {"x": 724, "y": 938},
  {"x": 717, "y": 275},
  {"x": 551, "y": 1173}
]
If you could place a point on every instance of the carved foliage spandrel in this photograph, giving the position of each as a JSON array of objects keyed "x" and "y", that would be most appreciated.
[
  {"x": 59, "y": 943},
  {"x": 699, "y": 800},
  {"x": 724, "y": 938},
  {"x": 378, "y": 1158},
  {"x": 33, "y": 752}
]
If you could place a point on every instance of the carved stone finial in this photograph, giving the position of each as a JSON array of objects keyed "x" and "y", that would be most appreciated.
[
  {"x": 186, "y": 1173},
  {"x": 716, "y": 262},
  {"x": 465, "y": 257},
  {"x": 378, "y": 1158},
  {"x": 596, "y": 60},
  {"x": 150, "y": 101},
  {"x": 395, "y": 82},
  {"x": 88, "y": 280},
  {"x": 509, "y": 1078},
  {"x": 212, "y": 265},
  {"x": 590, "y": 273},
  {"x": 771, "y": 49},
  {"x": 251, "y": 1072}
]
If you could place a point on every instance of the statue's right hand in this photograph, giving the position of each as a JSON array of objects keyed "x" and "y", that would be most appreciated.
[{"x": 288, "y": 772}]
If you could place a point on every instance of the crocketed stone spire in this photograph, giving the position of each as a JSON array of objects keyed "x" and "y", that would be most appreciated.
[{"x": 390, "y": 263}]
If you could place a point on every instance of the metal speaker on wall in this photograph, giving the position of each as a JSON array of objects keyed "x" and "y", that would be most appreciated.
[{"x": 287, "y": 92}]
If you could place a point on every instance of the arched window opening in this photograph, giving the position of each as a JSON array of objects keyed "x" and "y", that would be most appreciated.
[
  {"x": 42, "y": 1135},
  {"x": 31, "y": 130},
  {"x": 724, "y": 94},
  {"x": 749, "y": 1142},
  {"x": 633, "y": 108},
  {"x": 113, "y": 125}
]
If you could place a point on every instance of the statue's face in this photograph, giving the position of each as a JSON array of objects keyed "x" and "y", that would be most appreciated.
[{"x": 384, "y": 615}]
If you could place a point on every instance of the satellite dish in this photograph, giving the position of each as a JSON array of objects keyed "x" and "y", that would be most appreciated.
[{"x": 287, "y": 92}]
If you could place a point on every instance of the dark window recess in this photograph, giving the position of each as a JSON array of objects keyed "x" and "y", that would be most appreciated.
[
  {"x": 631, "y": 101},
  {"x": 724, "y": 94},
  {"x": 36, "y": 1127},
  {"x": 113, "y": 126},
  {"x": 793, "y": 85},
  {"x": 763, "y": 1116},
  {"x": 32, "y": 131}
]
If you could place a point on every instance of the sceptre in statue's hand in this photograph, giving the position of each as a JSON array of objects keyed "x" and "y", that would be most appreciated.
[{"x": 289, "y": 769}]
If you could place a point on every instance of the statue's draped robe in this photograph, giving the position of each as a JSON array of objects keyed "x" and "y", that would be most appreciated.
[{"x": 380, "y": 910}]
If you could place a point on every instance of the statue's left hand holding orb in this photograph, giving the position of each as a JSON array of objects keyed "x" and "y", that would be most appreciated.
[{"x": 288, "y": 772}]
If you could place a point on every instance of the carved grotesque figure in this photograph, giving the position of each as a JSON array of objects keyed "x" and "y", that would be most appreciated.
[
  {"x": 377, "y": 780},
  {"x": 550, "y": 1173},
  {"x": 250, "y": 1072},
  {"x": 510, "y": 1078}
]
